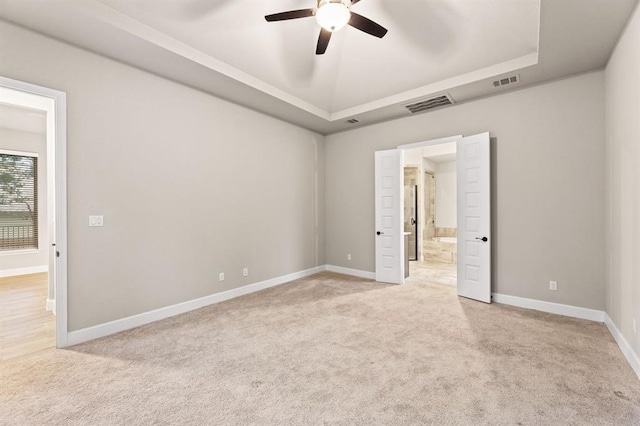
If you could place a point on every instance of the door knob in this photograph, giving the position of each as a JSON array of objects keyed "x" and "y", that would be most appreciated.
[
  {"x": 413, "y": 221},
  {"x": 379, "y": 233},
  {"x": 485, "y": 239}
]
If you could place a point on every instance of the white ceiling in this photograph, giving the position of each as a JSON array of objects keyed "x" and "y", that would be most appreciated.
[
  {"x": 225, "y": 47},
  {"x": 422, "y": 47}
]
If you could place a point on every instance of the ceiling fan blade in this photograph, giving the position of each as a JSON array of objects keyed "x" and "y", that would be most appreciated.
[
  {"x": 323, "y": 41},
  {"x": 367, "y": 25},
  {"x": 354, "y": 2},
  {"x": 292, "y": 14}
]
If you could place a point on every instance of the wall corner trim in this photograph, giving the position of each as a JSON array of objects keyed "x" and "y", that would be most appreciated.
[
  {"x": 632, "y": 357},
  {"x": 24, "y": 271},
  {"x": 550, "y": 307},
  {"x": 116, "y": 326},
  {"x": 353, "y": 272}
]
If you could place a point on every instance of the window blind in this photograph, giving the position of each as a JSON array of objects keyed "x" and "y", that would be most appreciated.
[{"x": 18, "y": 202}]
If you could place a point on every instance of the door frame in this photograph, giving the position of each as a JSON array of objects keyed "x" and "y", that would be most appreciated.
[
  {"x": 400, "y": 150},
  {"x": 56, "y": 145},
  {"x": 431, "y": 142}
]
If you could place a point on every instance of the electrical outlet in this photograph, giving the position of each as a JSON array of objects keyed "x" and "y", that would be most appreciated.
[
  {"x": 635, "y": 330},
  {"x": 553, "y": 285},
  {"x": 221, "y": 276},
  {"x": 349, "y": 256},
  {"x": 245, "y": 272}
]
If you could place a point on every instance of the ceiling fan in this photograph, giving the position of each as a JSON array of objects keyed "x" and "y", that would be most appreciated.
[{"x": 332, "y": 15}]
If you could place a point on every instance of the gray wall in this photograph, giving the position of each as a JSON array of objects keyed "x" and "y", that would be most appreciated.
[
  {"x": 623, "y": 183},
  {"x": 446, "y": 195},
  {"x": 547, "y": 189},
  {"x": 16, "y": 140},
  {"x": 189, "y": 185}
]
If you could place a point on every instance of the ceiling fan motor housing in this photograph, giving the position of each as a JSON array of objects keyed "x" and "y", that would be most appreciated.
[{"x": 332, "y": 15}]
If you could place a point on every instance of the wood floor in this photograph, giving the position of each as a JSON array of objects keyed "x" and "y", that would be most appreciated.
[{"x": 25, "y": 324}]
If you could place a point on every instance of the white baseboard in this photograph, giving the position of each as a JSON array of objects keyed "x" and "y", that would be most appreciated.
[
  {"x": 24, "y": 271},
  {"x": 352, "y": 272},
  {"x": 51, "y": 305},
  {"x": 632, "y": 357},
  {"x": 576, "y": 312},
  {"x": 550, "y": 307},
  {"x": 106, "y": 329}
]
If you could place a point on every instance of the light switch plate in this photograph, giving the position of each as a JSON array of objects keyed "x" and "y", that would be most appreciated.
[{"x": 96, "y": 220}]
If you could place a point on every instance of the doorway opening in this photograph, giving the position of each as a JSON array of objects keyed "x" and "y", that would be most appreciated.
[
  {"x": 473, "y": 219},
  {"x": 433, "y": 169},
  {"x": 32, "y": 218}
]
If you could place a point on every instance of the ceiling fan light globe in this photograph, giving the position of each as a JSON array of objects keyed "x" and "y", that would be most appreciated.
[{"x": 333, "y": 16}]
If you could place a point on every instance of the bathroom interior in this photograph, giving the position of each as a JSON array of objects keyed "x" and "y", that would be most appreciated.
[{"x": 430, "y": 214}]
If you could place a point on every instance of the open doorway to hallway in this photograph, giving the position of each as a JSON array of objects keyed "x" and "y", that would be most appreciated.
[
  {"x": 31, "y": 124},
  {"x": 431, "y": 213},
  {"x": 26, "y": 298}
]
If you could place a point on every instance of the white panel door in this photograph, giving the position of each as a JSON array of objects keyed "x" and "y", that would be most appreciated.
[
  {"x": 474, "y": 218},
  {"x": 389, "y": 216}
]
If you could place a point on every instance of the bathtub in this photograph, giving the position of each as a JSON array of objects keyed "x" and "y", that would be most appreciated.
[
  {"x": 446, "y": 239},
  {"x": 443, "y": 249}
]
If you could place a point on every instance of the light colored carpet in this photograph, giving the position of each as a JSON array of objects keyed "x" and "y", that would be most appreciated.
[{"x": 332, "y": 349}]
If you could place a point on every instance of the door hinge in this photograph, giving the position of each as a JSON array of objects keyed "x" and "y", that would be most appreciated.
[{"x": 57, "y": 253}]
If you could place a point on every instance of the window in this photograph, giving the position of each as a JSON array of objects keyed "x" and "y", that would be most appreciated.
[{"x": 18, "y": 201}]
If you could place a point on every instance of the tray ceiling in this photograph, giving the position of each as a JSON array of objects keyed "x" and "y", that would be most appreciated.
[{"x": 433, "y": 47}]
